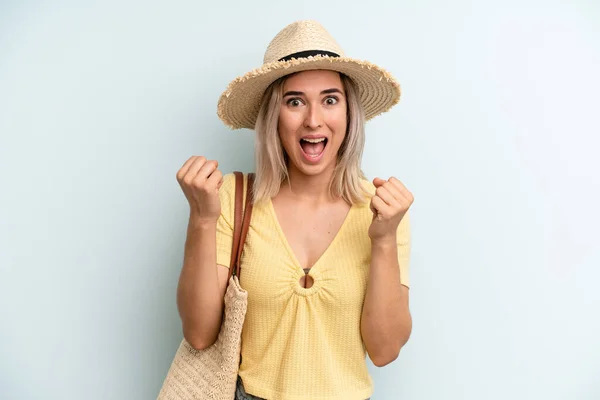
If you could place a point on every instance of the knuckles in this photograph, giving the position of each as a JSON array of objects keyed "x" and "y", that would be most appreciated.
[{"x": 188, "y": 179}]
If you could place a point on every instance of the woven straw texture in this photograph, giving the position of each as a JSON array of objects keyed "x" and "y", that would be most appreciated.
[
  {"x": 300, "y": 36},
  {"x": 239, "y": 104},
  {"x": 210, "y": 373}
]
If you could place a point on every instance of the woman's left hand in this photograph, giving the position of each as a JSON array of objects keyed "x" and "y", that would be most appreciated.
[{"x": 389, "y": 205}]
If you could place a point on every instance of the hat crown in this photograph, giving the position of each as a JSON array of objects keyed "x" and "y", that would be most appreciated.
[{"x": 301, "y": 36}]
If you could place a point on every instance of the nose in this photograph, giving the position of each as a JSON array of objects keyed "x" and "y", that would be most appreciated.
[{"x": 314, "y": 117}]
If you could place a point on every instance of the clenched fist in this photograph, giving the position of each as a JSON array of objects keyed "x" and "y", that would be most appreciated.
[
  {"x": 391, "y": 201},
  {"x": 200, "y": 181}
]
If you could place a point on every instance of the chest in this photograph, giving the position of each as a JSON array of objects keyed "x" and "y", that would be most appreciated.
[
  {"x": 339, "y": 260},
  {"x": 309, "y": 231}
]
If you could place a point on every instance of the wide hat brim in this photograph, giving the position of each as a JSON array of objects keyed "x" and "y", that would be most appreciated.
[{"x": 239, "y": 104}]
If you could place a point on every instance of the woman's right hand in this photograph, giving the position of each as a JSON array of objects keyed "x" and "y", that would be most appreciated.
[{"x": 200, "y": 181}]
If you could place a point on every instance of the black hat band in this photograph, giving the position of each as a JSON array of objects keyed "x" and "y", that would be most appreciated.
[{"x": 308, "y": 53}]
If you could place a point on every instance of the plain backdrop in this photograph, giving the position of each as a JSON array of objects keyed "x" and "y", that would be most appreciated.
[{"x": 497, "y": 136}]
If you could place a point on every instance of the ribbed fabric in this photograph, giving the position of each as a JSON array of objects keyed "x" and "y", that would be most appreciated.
[{"x": 299, "y": 343}]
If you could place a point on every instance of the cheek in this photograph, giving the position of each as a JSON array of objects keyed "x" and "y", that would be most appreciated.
[
  {"x": 287, "y": 122},
  {"x": 285, "y": 129},
  {"x": 339, "y": 123}
]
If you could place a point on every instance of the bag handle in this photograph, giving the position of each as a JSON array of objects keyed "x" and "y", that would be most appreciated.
[{"x": 241, "y": 221}]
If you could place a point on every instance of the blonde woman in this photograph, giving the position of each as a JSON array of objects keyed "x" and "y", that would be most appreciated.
[{"x": 326, "y": 258}]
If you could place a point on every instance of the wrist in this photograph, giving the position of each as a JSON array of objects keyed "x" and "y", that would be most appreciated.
[
  {"x": 202, "y": 223},
  {"x": 384, "y": 242}
]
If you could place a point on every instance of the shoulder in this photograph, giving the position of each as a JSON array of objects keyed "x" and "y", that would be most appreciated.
[
  {"x": 368, "y": 191},
  {"x": 229, "y": 182},
  {"x": 368, "y": 187},
  {"x": 228, "y": 185},
  {"x": 227, "y": 194},
  {"x": 227, "y": 189}
]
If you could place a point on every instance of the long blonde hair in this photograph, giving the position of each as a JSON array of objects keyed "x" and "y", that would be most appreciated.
[{"x": 271, "y": 160}]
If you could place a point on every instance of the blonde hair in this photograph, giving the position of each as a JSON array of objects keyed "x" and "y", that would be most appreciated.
[{"x": 271, "y": 160}]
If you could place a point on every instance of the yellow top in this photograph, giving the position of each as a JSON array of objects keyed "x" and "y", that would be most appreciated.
[{"x": 299, "y": 343}]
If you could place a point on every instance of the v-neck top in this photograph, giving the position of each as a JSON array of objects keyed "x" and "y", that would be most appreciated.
[{"x": 304, "y": 343}]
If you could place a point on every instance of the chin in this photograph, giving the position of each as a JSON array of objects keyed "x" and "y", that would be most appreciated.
[{"x": 312, "y": 169}]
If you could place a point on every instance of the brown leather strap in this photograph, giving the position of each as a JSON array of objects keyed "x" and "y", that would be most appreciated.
[
  {"x": 246, "y": 222},
  {"x": 241, "y": 220},
  {"x": 237, "y": 220}
]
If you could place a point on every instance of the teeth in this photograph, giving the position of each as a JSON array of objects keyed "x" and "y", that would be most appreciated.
[{"x": 314, "y": 140}]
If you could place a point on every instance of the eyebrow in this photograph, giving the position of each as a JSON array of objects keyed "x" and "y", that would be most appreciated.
[{"x": 326, "y": 91}]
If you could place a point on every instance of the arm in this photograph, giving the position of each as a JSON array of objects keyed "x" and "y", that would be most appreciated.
[
  {"x": 386, "y": 323},
  {"x": 202, "y": 283},
  {"x": 201, "y": 287}
]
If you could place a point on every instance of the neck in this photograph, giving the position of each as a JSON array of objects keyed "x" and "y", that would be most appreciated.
[{"x": 313, "y": 188}]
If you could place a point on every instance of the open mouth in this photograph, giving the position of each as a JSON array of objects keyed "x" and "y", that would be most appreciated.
[{"x": 313, "y": 147}]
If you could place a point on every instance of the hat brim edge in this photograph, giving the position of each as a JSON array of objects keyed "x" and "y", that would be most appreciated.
[{"x": 238, "y": 105}]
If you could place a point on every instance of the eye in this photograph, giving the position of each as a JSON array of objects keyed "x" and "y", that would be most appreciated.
[
  {"x": 295, "y": 102},
  {"x": 331, "y": 100}
]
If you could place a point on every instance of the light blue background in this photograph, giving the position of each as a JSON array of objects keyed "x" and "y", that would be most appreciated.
[{"x": 497, "y": 136}]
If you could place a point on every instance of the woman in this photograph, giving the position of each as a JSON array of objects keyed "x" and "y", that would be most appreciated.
[{"x": 326, "y": 258}]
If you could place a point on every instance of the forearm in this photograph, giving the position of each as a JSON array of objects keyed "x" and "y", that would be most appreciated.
[
  {"x": 199, "y": 301},
  {"x": 386, "y": 322}
]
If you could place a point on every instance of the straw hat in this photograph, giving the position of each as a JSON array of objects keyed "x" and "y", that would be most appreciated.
[{"x": 301, "y": 46}]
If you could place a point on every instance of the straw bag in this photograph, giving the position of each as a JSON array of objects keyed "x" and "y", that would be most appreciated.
[{"x": 212, "y": 373}]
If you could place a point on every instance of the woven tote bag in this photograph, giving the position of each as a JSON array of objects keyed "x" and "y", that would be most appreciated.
[{"x": 212, "y": 373}]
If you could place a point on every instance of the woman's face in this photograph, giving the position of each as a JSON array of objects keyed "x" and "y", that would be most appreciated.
[{"x": 312, "y": 120}]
